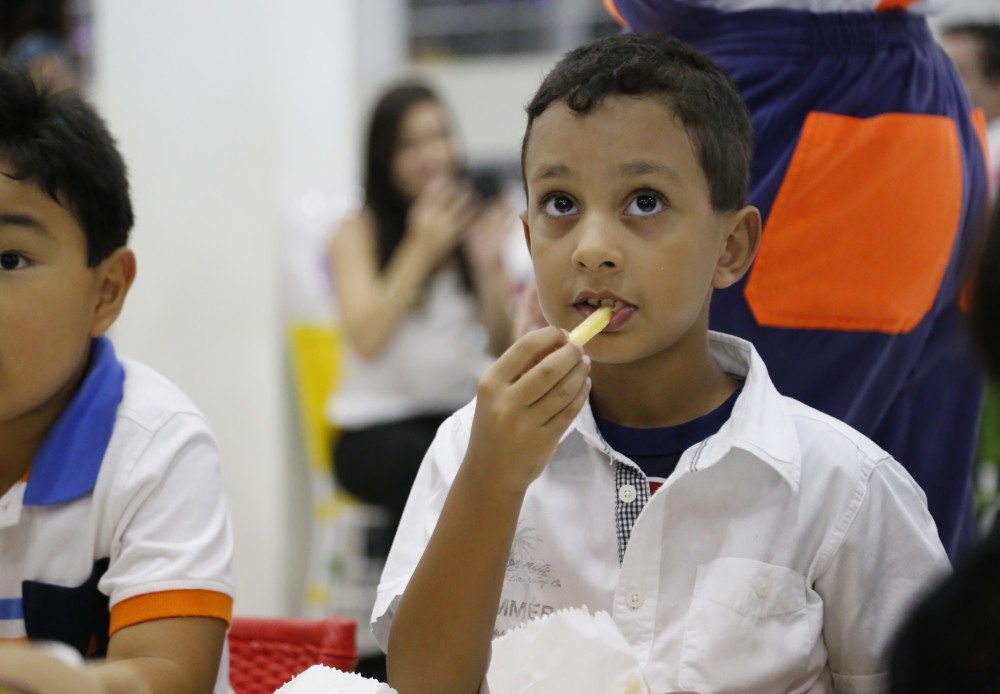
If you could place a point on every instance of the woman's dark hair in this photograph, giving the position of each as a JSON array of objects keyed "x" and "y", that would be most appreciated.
[
  {"x": 382, "y": 197},
  {"x": 21, "y": 17},
  {"x": 656, "y": 65},
  {"x": 59, "y": 142}
]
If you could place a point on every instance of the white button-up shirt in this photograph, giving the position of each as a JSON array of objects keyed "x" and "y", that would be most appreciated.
[{"x": 779, "y": 556}]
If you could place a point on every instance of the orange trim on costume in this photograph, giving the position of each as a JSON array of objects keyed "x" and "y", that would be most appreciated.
[
  {"x": 884, "y": 5},
  {"x": 978, "y": 118},
  {"x": 862, "y": 228},
  {"x": 612, "y": 9},
  {"x": 171, "y": 603},
  {"x": 8, "y": 640}
]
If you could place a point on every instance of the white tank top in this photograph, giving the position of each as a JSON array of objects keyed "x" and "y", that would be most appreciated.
[{"x": 431, "y": 364}]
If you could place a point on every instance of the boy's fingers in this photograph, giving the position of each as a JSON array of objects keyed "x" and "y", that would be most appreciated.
[
  {"x": 561, "y": 394},
  {"x": 540, "y": 380},
  {"x": 529, "y": 350},
  {"x": 562, "y": 419}
]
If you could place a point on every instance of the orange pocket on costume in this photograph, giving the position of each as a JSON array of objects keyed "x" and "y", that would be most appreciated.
[{"x": 862, "y": 228}]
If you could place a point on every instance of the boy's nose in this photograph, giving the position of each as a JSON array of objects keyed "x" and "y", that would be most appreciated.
[{"x": 596, "y": 247}]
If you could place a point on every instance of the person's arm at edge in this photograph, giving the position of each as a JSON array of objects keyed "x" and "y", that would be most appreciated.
[
  {"x": 162, "y": 656},
  {"x": 493, "y": 286}
]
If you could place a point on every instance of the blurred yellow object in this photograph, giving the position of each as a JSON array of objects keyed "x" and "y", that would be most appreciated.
[
  {"x": 341, "y": 579},
  {"x": 315, "y": 357}
]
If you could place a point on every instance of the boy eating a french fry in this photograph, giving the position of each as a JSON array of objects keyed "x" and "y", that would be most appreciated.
[{"x": 741, "y": 541}]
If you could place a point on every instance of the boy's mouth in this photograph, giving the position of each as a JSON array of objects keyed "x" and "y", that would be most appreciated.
[
  {"x": 621, "y": 310},
  {"x": 615, "y": 304},
  {"x": 589, "y": 304}
]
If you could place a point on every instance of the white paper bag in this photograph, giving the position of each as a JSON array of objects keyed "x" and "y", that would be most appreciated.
[
  {"x": 320, "y": 679},
  {"x": 566, "y": 651}
]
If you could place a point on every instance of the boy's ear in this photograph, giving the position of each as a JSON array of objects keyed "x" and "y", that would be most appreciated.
[
  {"x": 114, "y": 277},
  {"x": 527, "y": 233},
  {"x": 739, "y": 247}
]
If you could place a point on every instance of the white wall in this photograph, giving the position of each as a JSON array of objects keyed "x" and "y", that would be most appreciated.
[
  {"x": 228, "y": 112},
  {"x": 224, "y": 110}
]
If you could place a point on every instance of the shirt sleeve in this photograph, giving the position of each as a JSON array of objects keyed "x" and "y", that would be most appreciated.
[
  {"x": 889, "y": 555},
  {"x": 167, "y": 525},
  {"x": 423, "y": 508}
]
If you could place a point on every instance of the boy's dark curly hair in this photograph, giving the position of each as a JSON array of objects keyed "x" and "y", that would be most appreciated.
[{"x": 656, "y": 65}]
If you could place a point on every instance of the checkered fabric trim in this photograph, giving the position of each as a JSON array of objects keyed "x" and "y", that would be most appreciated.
[{"x": 631, "y": 495}]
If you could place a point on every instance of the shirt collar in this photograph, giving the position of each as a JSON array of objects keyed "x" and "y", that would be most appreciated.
[
  {"x": 761, "y": 423},
  {"x": 70, "y": 456}
]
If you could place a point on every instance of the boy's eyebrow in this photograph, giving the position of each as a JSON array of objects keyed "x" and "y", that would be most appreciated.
[
  {"x": 552, "y": 171},
  {"x": 642, "y": 168},
  {"x": 638, "y": 168},
  {"x": 12, "y": 219}
]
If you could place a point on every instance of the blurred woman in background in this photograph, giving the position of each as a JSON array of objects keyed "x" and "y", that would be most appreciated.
[{"x": 422, "y": 299}]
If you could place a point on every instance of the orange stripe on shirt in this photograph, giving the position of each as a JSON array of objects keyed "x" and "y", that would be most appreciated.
[
  {"x": 171, "y": 603},
  {"x": 612, "y": 9}
]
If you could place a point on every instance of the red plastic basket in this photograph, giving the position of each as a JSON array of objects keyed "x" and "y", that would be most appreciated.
[{"x": 265, "y": 653}]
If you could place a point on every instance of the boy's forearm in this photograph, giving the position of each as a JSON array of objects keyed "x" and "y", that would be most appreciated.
[{"x": 441, "y": 633}]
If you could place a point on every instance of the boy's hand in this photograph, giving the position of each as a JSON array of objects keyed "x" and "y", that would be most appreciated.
[{"x": 524, "y": 404}]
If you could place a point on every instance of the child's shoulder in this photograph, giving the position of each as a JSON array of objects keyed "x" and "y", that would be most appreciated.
[
  {"x": 819, "y": 431},
  {"x": 834, "y": 455},
  {"x": 815, "y": 432},
  {"x": 150, "y": 399},
  {"x": 157, "y": 431}
]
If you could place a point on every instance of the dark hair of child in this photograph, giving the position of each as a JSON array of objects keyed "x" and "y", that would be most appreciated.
[
  {"x": 641, "y": 65},
  {"x": 58, "y": 141}
]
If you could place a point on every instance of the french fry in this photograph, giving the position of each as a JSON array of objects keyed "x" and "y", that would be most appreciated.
[{"x": 591, "y": 325}]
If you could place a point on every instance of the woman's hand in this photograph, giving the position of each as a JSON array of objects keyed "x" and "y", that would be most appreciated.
[{"x": 440, "y": 216}]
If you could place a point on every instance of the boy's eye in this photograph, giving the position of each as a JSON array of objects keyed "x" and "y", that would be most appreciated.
[
  {"x": 559, "y": 206},
  {"x": 12, "y": 261},
  {"x": 644, "y": 204}
]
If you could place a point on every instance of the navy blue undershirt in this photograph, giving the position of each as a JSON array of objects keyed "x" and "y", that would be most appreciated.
[{"x": 656, "y": 450}]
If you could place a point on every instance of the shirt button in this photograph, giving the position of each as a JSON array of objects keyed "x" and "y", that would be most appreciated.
[
  {"x": 762, "y": 587},
  {"x": 626, "y": 493},
  {"x": 635, "y": 599}
]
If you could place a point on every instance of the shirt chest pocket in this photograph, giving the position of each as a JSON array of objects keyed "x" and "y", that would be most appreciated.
[{"x": 751, "y": 627}]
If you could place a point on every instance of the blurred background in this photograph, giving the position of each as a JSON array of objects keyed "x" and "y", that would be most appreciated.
[{"x": 241, "y": 123}]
